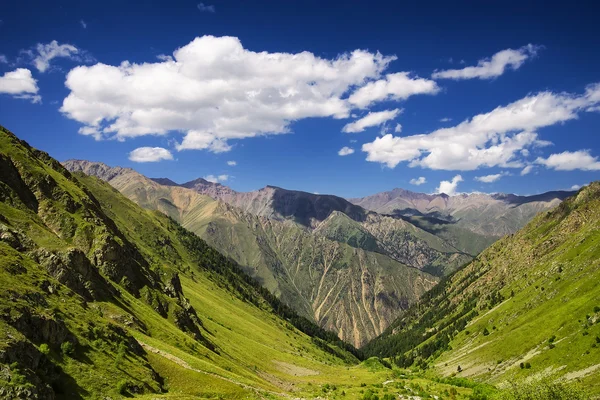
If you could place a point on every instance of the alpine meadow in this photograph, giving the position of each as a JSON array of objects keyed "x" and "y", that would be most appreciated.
[{"x": 299, "y": 200}]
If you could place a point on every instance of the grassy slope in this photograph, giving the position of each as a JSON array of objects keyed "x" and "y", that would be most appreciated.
[{"x": 530, "y": 298}]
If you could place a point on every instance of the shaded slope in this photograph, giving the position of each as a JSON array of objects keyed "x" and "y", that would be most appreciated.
[{"x": 530, "y": 299}]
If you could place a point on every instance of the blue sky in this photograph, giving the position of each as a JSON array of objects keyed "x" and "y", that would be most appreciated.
[{"x": 490, "y": 97}]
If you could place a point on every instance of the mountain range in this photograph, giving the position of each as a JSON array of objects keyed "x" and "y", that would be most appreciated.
[{"x": 349, "y": 269}]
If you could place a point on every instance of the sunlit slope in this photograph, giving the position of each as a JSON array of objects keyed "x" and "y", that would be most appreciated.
[{"x": 531, "y": 299}]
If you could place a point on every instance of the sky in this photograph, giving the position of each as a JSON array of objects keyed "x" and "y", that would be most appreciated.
[{"x": 348, "y": 98}]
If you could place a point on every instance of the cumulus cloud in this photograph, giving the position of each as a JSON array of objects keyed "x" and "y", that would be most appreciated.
[
  {"x": 216, "y": 179},
  {"x": 449, "y": 187},
  {"x": 371, "y": 119},
  {"x": 20, "y": 84},
  {"x": 445, "y": 119},
  {"x": 232, "y": 163},
  {"x": 3, "y": 59},
  {"x": 213, "y": 90},
  {"x": 575, "y": 187},
  {"x": 492, "y": 67},
  {"x": 496, "y": 138},
  {"x": 398, "y": 128},
  {"x": 571, "y": 160},
  {"x": 150, "y": 154},
  {"x": 398, "y": 86},
  {"x": 50, "y": 51},
  {"x": 345, "y": 151},
  {"x": 206, "y": 8},
  {"x": 418, "y": 181}
]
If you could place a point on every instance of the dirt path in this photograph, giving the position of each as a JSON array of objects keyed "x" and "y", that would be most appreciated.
[{"x": 185, "y": 365}]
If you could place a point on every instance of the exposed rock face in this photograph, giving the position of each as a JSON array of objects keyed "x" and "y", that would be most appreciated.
[
  {"x": 19, "y": 359},
  {"x": 74, "y": 270}
]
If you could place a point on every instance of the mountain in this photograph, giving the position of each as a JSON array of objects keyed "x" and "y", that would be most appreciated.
[
  {"x": 401, "y": 240},
  {"x": 470, "y": 222},
  {"x": 307, "y": 209},
  {"x": 526, "y": 306},
  {"x": 350, "y": 290},
  {"x": 100, "y": 296}
]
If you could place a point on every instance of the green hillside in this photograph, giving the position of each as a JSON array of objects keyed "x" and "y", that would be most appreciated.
[{"x": 527, "y": 307}]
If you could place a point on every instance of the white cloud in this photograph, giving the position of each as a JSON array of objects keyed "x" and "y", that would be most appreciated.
[
  {"x": 491, "y": 68},
  {"x": 398, "y": 86},
  {"x": 345, "y": 151},
  {"x": 216, "y": 179},
  {"x": 232, "y": 163},
  {"x": 50, "y": 51},
  {"x": 150, "y": 154},
  {"x": 445, "y": 119},
  {"x": 449, "y": 187},
  {"x": 83, "y": 24},
  {"x": 20, "y": 84},
  {"x": 3, "y": 59},
  {"x": 526, "y": 170},
  {"x": 571, "y": 160},
  {"x": 213, "y": 90},
  {"x": 419, "y": 181},
  {"x": 206, "y": 8},
  {"x": 398, "y": 128},
  {"x": 371, "y": 119},
  {"x": 492, "y": 139},
  {"x": 575, "y": 187},
  {"x": 490, "y": 178}
]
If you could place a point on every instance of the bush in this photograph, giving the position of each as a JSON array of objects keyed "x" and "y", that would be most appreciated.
[
  {"x": 485, "y": 332},
  {"x": 67, "y": 348},
  {"x": 44, "y": 349}
]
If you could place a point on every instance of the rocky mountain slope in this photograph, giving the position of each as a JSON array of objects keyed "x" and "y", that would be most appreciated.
[
  {"x": 350, "y": 290},
  {"x": 528, "y": 306},
  {"x": 400, "y": 240},
  {"x": 470, "y": 222},
  {"x": 101, "y": 298}
]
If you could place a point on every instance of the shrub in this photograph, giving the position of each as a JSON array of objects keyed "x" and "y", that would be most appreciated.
[
  {"x": 485, "y": 332},
  {"x": 67, "y": 348},
  {"x": 44, "y": 349}
]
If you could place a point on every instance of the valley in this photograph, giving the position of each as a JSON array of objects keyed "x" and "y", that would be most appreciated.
[{"x": 106, "y": 294}]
